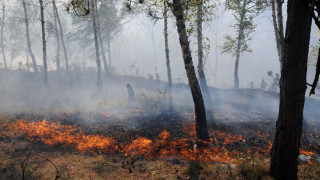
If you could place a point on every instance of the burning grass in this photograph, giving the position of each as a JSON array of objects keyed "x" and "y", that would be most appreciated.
[
  {"x": 224, "y": 148},
  {"x": 163, "y": 146},
  {"x": 156, "y": 149},
  {"x": 57, "y": 134}
]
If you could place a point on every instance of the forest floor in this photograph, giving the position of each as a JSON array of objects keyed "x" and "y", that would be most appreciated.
[
  {"x": 78, "y": 133},
  {"x": 241, "y": 147}
]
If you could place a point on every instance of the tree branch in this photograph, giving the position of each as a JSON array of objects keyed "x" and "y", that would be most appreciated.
[{"x": 316, "y": 78}]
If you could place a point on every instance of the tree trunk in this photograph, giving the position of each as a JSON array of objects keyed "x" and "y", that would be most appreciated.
[
  {"x": 275, "y": 26},
  {"x": 61, "y": 35},
  {"x": 28, "y": 67},
  {"x": 240, "y": 37},
  {"x": 109, "y": 50},
  {"x": 285, "y": 149},
  {"x": 104, "y": 59},
  {"x": 84, "y": 60},
  {"x": 200, "y": 113},
  {"x": 11, "y": 60},
  {"x": 96, "y": 43},
  {"x": 280, "y": 29},
  {"x": 277, "y": 20},
  {"x": 216, "y": 56},
  {"x": 202, "y": 77},
  {"x": 2, "y": 28},
  {"x": 44, "y": 47},
  {"x": 166, "y": 47},
  {"x": 35, "y": 67},
  {"x": 57, "y": 36}
]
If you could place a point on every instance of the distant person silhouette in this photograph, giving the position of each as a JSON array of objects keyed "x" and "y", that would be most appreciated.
[{"x": 131, "y": 97}]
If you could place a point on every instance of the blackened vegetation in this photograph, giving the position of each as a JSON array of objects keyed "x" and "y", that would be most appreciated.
[
  {"x": 256, "y": 133},
  {"x": 243, "y": 117}
]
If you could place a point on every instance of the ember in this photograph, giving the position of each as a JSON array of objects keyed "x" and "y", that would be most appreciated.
[{"x": 307, "y": 153}]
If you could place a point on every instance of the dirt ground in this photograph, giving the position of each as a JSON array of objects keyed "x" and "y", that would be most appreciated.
[{"x": 21, "y": 155}]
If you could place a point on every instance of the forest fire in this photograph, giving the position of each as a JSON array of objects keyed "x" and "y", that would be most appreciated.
[
  {"x": 55, "y": 133},
  {"x": 220, "y": 149}
]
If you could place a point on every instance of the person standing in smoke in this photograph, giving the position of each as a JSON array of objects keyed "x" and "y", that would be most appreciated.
[{"x": 131, "y": 97}]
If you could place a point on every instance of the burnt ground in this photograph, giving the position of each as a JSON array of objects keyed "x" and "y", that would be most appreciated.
[
  {"x": 73, "y": 164},
  {"x": 236, "y": 113}
]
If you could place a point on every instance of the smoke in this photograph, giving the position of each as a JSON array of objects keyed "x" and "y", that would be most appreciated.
[{"x": 138, "y": 58}]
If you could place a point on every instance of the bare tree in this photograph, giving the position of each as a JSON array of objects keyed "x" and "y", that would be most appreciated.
[
  {"x": 26, "y": 19},
  {"x": 277, "y": 19},
  {"x": 57, "y": 35},
  {"x": 44, "y": 46},
  {"x": 96, "y": 43},
  {"x": 61, "y": 36},
  {"x": 109, "y": 50},
  {"x": 2, "y": 28},
  {"x": 202, "y": 77},
  {"x": 104, "y": 59},
  {"x": 166, "y": 48}
]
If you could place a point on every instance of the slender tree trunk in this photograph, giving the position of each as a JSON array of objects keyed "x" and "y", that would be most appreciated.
[
  {"x": 202, "y": 77},
  {"x": 216, "y": 62},
  {"x": 240, "y": 37},
  {"x": 49, "y": 65},
  {"x": 277, "y": 19},
  {"x": 285, "y": 149},
  {"x": 166, "y": 47},
  {"x": 84, "y": 60},
  {"x": 44, "y": 46},
  {"x": 200, "y": 112},
  {"x": 61, "y": 36},
  {"x": 109, "y": 50},
  {"x": 11, "y": 60},
  {"x": 275, "y": 26},
  {"x": 96, "y": 43},
  {"x": 151, "y": 32},
  {"x": 280, "y": 29},
  {"x": 104, "y": 59},
  {"x": 2, "y": 28},
  {"x": 57, "y": 36},
  {"x": 26, "y": 19},
  {"x": 28, "y": 67}
]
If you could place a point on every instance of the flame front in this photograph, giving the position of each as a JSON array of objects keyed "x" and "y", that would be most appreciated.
[
  {"x": 55, "y": 134},
  {"x": 162, "y": 146}
]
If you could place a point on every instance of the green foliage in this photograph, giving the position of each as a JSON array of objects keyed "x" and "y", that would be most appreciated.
[
  {"x": 79, "y": 7},
  {"x": 313, "y": 54},
  {"x": 244, "y": 26},
  {"x": 111, "y": 20}
]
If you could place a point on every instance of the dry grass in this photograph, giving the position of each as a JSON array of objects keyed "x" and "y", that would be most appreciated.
[{"x": 78, "y": 166}]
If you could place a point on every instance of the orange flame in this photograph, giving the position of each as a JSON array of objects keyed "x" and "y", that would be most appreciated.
[
  {"x": 307, "y": 153},
  {"x": 162, "y": 146},
  {"x": 55, "y": 133}
]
